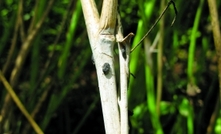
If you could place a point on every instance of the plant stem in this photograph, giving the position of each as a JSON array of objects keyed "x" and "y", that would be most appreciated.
[
  {"x": 102, "y": 39},
  {"x": 160, "y": 62},
  {"x": 20, "y": 105},
  {"x": 192, "y": 46},
  {"x": 217, "y": 42}
]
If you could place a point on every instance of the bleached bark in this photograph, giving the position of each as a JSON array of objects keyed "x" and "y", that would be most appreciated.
[
  {"x": 102, "y": 39},
  {"x": 124, "y": 58}
]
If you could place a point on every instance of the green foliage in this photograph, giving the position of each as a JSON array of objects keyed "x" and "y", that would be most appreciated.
[
  {"x": 185, "y": 44},
  {"x": 217, "y": 128},
  {"x": 58, "y": 86},
  {"x": 193, "y": 38},
  {"x": 69, "y": 39}
]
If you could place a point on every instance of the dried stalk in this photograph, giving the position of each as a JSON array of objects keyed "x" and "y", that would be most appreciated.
[
  {"x": 20, "y": 105},
  {"x": 19, "y": 63},
  {"x": 160, "y": 62},
  {"x": 102, "y": 39},
  {"x": 217, "y": 42},
  {"x": 14, "y": 39},
  {"x": 124, "y": 58}
]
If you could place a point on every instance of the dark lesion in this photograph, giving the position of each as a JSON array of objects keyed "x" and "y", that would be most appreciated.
[
  {"x": 125, "y": 45},
  {"x": 106, "y": 68}
]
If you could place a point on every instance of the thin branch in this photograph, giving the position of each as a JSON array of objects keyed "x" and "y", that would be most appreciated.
[
  {"x": 84, "y": 118},
  {"x": 158, "y": 19},
  {"x": 33, "y": 20},
  {"x": 20, "y": 61},
  {"x": 213, "y": 118},
  {"x": 216, "y": 33},
  {"x": 25, "y": 47},
  {"x": 44, "y": 95},
  {"x": 37, "y": 108},
  {"x": 217, "y": 41},
  {"x": 4, "y": 111},
  {"x": 14, "y": 39},
  {"x": 124, "y": 57},
  {"x": 160, "y": 63},
  {"x": 21, "y": 22},
  {"x": 20, "y": 105}
]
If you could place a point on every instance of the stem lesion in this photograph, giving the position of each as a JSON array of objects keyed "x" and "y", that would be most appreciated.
[
  {"x": 101, "y": 32},
  {"x": 106, "y": 27}
]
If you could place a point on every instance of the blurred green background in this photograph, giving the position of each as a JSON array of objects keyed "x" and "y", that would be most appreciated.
[{"x": 174, "y": 91}]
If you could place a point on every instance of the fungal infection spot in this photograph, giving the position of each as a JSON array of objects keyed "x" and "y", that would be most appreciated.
[{"x": 106, "y": 68}]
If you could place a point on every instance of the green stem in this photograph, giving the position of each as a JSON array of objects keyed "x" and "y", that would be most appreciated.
[{"x": 192, "y": 46}]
